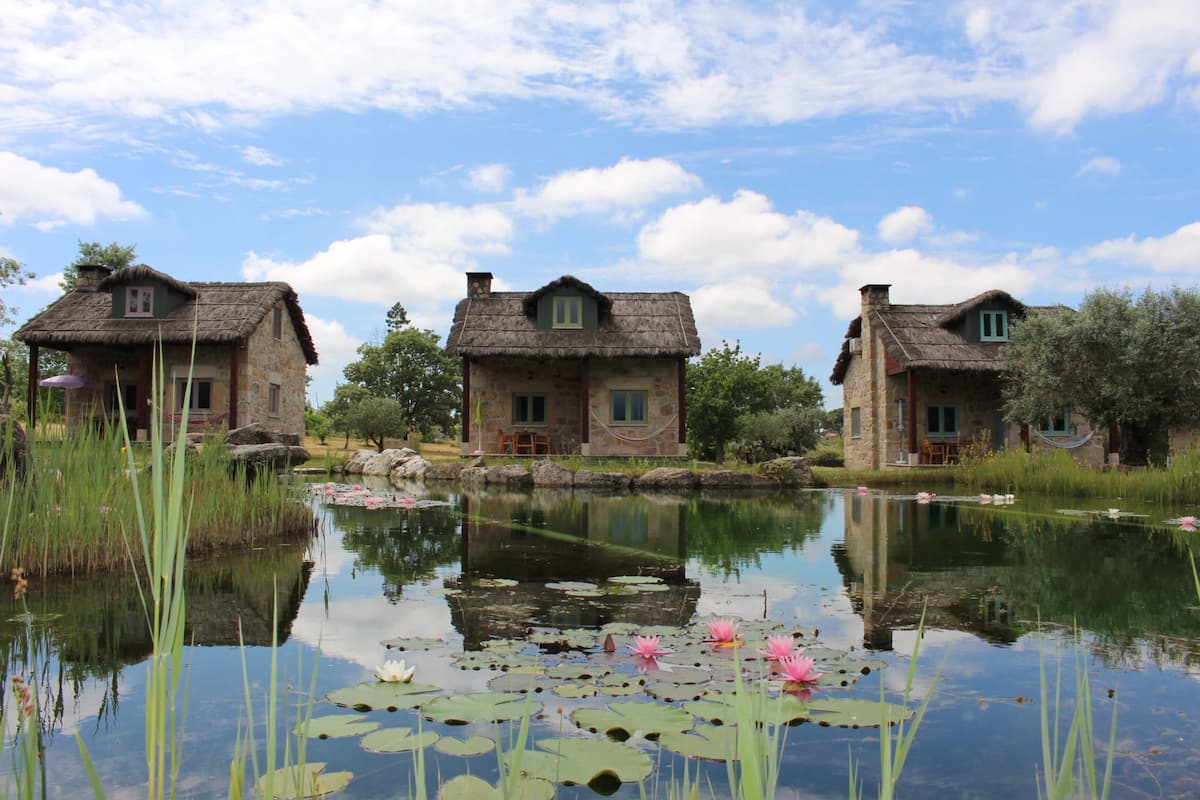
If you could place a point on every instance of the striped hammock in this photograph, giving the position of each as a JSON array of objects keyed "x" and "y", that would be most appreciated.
[{"x": 1064, "y": 445}]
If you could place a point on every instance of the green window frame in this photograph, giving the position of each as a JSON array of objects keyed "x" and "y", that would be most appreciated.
[
  {"x": 993, "y": 326},
  {"x": 139, "y": 301},
  {"x": 627, "y": 406},
  {"x": 941, "y": 419},
  {"x": 568, "y": 312},
  {"x": 856, "y": 423},
  {"x": 529, "y": 409},
  {"x": 201, "y": 397},
  {"x": 1059, "y": 424}
]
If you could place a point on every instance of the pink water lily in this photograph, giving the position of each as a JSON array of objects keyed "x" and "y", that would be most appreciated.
[
  {"x": 925, "y": 497},
  {"x": 862, "y": 490},
  {"x": 647, "y": 647},
  {"x": 723, "y": 632},
  {"x": 1187, "y": 523},
  {"x": 797, "y": 669},
  {"x": 778, "y": 647}
]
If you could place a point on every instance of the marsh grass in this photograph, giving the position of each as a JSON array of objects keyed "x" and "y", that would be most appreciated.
[{"x": 1056, "y": 474}]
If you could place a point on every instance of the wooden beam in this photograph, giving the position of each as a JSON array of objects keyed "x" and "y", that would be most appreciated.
[
  {"x": 233, "y": 384},
  {"x": 911, "y": 402},
  {"x": 144, "y": 389},
  {"x": 31, "y": 389},
  {"x": 585, "y": 401},
  {"x": 682, "y": 401},
  {"x": 466, "y": 407}
]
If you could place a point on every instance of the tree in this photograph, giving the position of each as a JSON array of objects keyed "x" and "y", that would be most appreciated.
[
  {"x": 340, "y": 409},
  {"x": 723, "y": 385},
  {"x": 790, "y": 387},
  {"x": 410, "y": 367},
  {"x": 1116, "y": 362},
  {"x": 397, "y": 317},
  {"x": 377, "y": 418},
  {"x": 12, "y": 273},
  {"x": 317, "y": 425},
  {"x": 114, "y": 256},
  {"x": 786, "y": 431}
]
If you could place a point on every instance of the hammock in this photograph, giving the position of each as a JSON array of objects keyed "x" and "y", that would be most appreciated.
[
  {"x": 1065, "y": 445},
  {"x": 632, "y": 439}
]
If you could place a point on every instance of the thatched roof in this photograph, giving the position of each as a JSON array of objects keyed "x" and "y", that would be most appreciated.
[
  {"x": 223, "y": 313},
  {"x": 926, "y": 336},
  {"x": 641, "y": 324},
  {"x": 603, "y": 304}
]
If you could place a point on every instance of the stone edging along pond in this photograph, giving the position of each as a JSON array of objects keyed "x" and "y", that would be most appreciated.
[{"x": 407, "y": 465}]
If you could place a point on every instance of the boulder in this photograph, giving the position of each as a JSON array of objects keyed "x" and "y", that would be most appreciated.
[
  {"x": 368, "y": 462},
  {"x": 477, "y": 461},
  {"x": 473, "y": 476},
  {"x": 354, "y": 464},
  {"x": 448, "y": 471},
  {"x": 726, "y": 479},
  {"x": 586, "y": 479},
  {"x": 410, "y": 469},
  {"x": 550, "y": 473},
  {"x": 272, "y": 456},
  {"x": 253, "y": 433},
  {"x": 790, "y": 471},
  {"x": 15, "y": 460},
  {"x": 507, "y": 475},
  {"x": 666, "y": 478}
]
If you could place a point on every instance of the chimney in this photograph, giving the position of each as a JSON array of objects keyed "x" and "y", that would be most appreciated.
[
  {"x": 88, "y": 276},
  {"x": 874, "y": 295},
  {"x": 479, "y": 284}
]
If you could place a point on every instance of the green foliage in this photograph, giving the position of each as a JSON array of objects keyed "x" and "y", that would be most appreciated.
[
  {"x": 377, "y": 418},
  {"x": 340, "y": 410},
  {"x": 723, "y": 385},
  {"x": 12, "y": 273},
  {"x": 785, "y": 431},
  {"x": 317, "y": 424},
  {"x": 411, "y": 368},
  {"x": 789, "y": 387},
  {"x": 114, "y": 256}
]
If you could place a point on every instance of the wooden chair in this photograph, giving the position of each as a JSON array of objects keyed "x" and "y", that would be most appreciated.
[
  {"x": 932, "y": 452},
  {"x": 504, "y": 443},
  {"x": 541, "y": 443},
  {"x": 524, "y": 443}
]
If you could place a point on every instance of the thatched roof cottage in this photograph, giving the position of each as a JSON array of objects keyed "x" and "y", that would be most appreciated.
[
  {"x": 922, "y": 381},
  {"x": 252, "y": 349},
  {"x": 568, "y": 369}
]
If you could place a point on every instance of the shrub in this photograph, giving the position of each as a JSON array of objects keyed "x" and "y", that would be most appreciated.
[{"x": 773, "y": 434}]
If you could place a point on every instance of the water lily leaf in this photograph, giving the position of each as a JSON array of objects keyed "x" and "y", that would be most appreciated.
[
  {"x": 573, "y": 638},
  {"x": 571, "y": 586},
  {"x": 397, "y": 740},
  {"x": 843, "y": 712},
  {"x": 297, "y": 783},
  {"x": 510, "y": 646},
  {"x": 406, "y": 644},
  {"x": 722, "y": 708},
  {"x": 513, "y": 681},
  {"x": 471, "y": 746},
  {"x": 577, "y": 670},
  {"x": 493, "y": 583},
  {"x": 674, "y": 673},
  {"x": 635, "y": 579},
  {"x": 670, "y": 692},
  {"x": 478, "y": 659},
  {"x": 621, "y": 689},
  {"x": 624, "y": 628},
  {"x": 480, "y": 707},
  {"x": 575, "y": 690},
  {"x": 712, "y": 743},
  {"x": 383, "y": 695},
  {"x": 622, "y": 720},
  {"x": 584, "y": 593},
  {"x": 599, "y": 763},
  {"x": 648, "y": 587},
  {"x": 469, "y": 787},
  {"x": 848, "y": 712},
  {"x": 337, "y": 726}
]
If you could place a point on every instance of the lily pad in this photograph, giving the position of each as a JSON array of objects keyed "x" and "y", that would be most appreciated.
[
  {"x": 522, "y": 682},
  {"x": 337, "y": 726},
  {"x": 571, "y": 586},
  {"x": 624, "y": 628},
  {"x": 493, "y": 583},
  {"x": 584, "y": 593},
  {"x": 675, "y": 673},
  {"x": 404, "y": 644},
  {"x": 622, "y": 720},
  {"x": 843, "y": 712},
  {"x": 508, "y": 646},
  {"x": 670, "y": 692},
  {"x": 621, "y": 689},
  {"x": 575, "y": 690},
  {"x": 375, "y": 695},
  {"x": 598, "y": 763},
  {"x": 397, "y": 740},
  {"x": 635, "y": 579},
  {"x": 572, "y": 638},
  {"x": 469, "y": 787},
  {"x": 648, "y": 587},
  {"x": 709, "y": 742},
  {"x": 847, "y": 712},
  {"x": 299, "y": 782},
  {"x": 477, "y": 659},
  {"x": 471, "y": 746},
  {"x": 461, "y": 709},
  {"x": 722, "y": 708},
  {"x": 578, "y": 670}
]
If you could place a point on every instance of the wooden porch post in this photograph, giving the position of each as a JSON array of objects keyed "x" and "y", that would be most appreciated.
[
  {"x": 683, "y": 400},
  {"x": 1114, "y": 444},
  {"x": 585, "y": 396},
  {"x": 466, "y": 404},
  {"x": 911, "y": 402},
  {"x": 233, "y": 384},
  {"x": 144, "y": 389},
  {"x": 31, "y": 389}
]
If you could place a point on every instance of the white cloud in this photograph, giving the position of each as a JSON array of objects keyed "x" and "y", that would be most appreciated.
[
  {"x": 489, "y": 178},
  {"x": 445, "y": 230},
  {"x": 1102, "y": 165},
  {"x": 335, "y": 347},
  {"x": 904, "y": 224},
  {"x": 260, "y": 157},
  {"x": 1175, "y": 251},
  {"x": 49, "y": 197},
  {"x": 810, "y": 353},
  {"x": 746, "y": 303},
  {"x": 50, "y": 284},
  {"x": 706, "y": 239},
  {"x": 630, "y": 183}
]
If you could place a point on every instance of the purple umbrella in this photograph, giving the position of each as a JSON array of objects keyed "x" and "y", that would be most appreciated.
[{"x": 68, "y": 382}]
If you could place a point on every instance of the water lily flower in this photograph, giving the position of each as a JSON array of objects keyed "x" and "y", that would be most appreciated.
[
  {"x": 925, "y": 497},
  {"x": 395, "y": 672},
  {"x": 1010, "y": 498},
  {"x": 1114, "y": 513},
  {"x": 778, "y": 648},
  {"x": 862, "y": 490},
  {"x": 723, "y": 632},
  {"x": 797, "y": 669},
  {"x": 1186, "y": 523},
  {"x": 647, "y": 647},
  {"x": 985, "y": 498}
]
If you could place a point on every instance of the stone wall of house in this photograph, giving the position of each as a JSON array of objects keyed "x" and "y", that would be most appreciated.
[
  {"x": 268, "y": 360},
  {"x": 494, "y": 382},
  {"x": 103, "y": 366}
]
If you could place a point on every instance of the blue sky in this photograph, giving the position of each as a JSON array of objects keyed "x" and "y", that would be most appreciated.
[{"x": 765, "y": 158}]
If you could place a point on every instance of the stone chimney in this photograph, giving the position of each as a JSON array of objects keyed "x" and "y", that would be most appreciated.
[
  {"x": 89, "y": 276},
  {"x": 874, "y": 295},
  {"x": 479, "y": 284}
]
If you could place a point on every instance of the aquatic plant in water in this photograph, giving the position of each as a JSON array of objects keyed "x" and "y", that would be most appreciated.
[
  {"x": 778, "y": 647},
  {"x": 648, "y": 647},
  {"x": 723, "y": 632},
  {"x": 797, "y": 669},
  {"x": 395, "y": 672}
]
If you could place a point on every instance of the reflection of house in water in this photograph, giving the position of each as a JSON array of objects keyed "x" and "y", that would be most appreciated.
[
  {"x": 550, "y": 536},
  {"x": 900, "y": 555}
]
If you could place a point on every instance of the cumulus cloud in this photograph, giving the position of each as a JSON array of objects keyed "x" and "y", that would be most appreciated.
[
  {"x": 1101, "y": 165},
  {"x": 445, "y": 230},
  {"x": 335, "y": 346},
  {"x": 630, "y": 183},
  {"x": 1179, "y": 250},
  {"x": 490, "y": 178},
  {"x": 260, "y": 157},
  {"x": 706, "y": 239},
  {"x": 904, "y": 224},
  {"x": 740, "y": 304},
  {"x": 49, "y": 197}
]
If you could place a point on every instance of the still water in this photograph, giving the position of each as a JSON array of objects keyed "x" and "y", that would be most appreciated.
[{"x": 859, "y": 568}]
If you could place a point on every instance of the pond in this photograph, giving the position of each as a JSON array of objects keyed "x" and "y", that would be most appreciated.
[{"x": 850, "y": 573}]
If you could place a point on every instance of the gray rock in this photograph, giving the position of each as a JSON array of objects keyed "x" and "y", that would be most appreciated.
[
  {"x": 448, "y": 471},
  {"x": 726, "y": 479},
  {"x": 254, "y": 433},
  {"x": 270, "y": 456},
  {"x": 791, "y": 471},
  {"x": 549, "y": 473},
  {"x": 477, "y": 461},
  {"x": 15, "y": 460},
  {"x": 473, "y": 476},
  {"x": 586, "y": 479},
  {"x": 666, "y": 478},
  {"x": 383, "y": 463},
  {"x": 411, "y": 469},
  {"x": 354, "y": 464},
  {"x": 508, "y": 475}
]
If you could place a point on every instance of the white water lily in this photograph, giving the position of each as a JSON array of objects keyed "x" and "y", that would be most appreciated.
[{"x": 395, "y": 672}]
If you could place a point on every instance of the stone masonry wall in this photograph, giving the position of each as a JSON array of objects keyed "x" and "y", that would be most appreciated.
[
  {"x": 659, "y": 377},
  {"x": 265, "y": 361}
]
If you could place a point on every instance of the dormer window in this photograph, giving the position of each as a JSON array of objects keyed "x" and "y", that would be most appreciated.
[
  {"x": 568, "y": 312},
  {"x": 993, "y": 326},
  {"x": 139, "y": 301}
]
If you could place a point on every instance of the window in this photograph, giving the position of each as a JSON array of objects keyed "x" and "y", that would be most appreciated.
[
  {"x": 993, "y": 326},
  {"x": 856, "y": 423},
  {"x": 1059, "y": 424},
  {"x": 901, "y": 414},
  {"x": 568, "y": 312},
  {"x": 277, "y": 322},
  {"x": 201, "y": 398},
  {"x": 273, "y": 392},
  {"x": 529, "y": 409},
  {"x": 114, "y": 396},
  {"x": 139, "y": 301},
  {"x": 628, "y": 407},
  {"x": 941, "y": 419}
]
